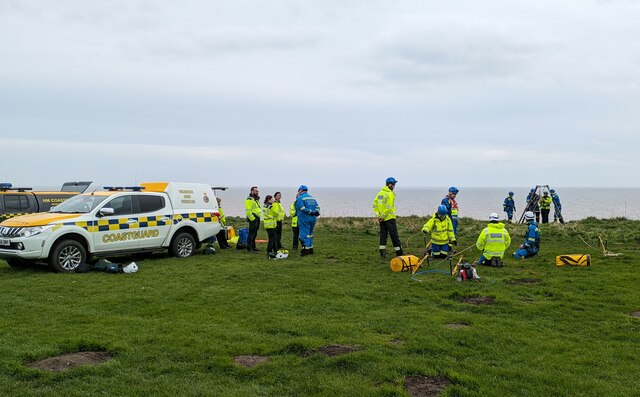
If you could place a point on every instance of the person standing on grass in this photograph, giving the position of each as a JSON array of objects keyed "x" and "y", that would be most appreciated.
[
  {"x": 384, "y": 207},
  {"x": 531, "y": 244},
  {"x": 270, "y": 220},
  {"x": 449, "y": 201},
  {"x": 557, "y": 207},
  {"x": 533, "y": 203},
  {"x": 509, "y": 206},
  {"x": 545, "y": 206},
  {"x": 278, "y": 205},
  {"x": 294, "y": 225},
  {"x": 253, "y": 211},
  {"x": 307, "y": 211},
  {"x": 222, "y": 234}
]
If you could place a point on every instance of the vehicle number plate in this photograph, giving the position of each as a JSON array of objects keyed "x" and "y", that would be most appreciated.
[{"x": 5, "y": 242}]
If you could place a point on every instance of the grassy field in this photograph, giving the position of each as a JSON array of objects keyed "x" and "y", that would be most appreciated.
[{"x": 175, "y": 327}]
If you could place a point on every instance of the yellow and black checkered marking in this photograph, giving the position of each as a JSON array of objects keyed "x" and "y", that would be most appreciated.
[
  {"x": 198, "y": 217},
  {"x": 4, "y": 217},
  {"x": 104, "y": 225}
]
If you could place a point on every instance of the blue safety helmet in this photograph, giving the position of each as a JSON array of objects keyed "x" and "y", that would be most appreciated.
[
  {"x": 552, "y": 190},
  {"x": 510, "y": 193},
  {"x": 453, "y": 190},
  {"x": 391, "y": 180},
  {"x": 303, "y": 188},
  {"x": 442, "y": 210}
]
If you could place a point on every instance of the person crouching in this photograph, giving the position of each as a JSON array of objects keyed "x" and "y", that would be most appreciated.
[
  {"x": 493, "y": 241},
  {"x": 441, "y": 230}
]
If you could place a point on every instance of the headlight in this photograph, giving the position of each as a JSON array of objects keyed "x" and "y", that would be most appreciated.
[{"x": 32, "y": 231}]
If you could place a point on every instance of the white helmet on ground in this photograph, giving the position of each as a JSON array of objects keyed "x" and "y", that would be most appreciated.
[
  {"x": 130, "y": 268},
  {"x": 493, "y": 216},
  {"x": 529, "y": 215},
  {"x": 282, "y": 254}
]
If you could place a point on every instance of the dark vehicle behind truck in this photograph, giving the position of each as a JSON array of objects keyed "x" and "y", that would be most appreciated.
[{"x": 15, "y": 201}]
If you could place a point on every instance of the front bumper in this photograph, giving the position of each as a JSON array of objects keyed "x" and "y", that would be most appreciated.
[{"x": 22, "y": 248}]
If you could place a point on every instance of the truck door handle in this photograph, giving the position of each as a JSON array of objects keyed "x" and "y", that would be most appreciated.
[
  {"x": 131, "y": 221},
  {"x": 165, "y": 218}
]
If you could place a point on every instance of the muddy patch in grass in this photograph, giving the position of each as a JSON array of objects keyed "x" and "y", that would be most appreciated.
[
  {"x": 635, "y": 314},
  {"x": 457, "y": 325},
  {"x": 423, "y": 386},
  {"x": 250, "y": 361},
  {"x": 478, "y": 300},
  {"x": 396, "y": 342},
  {"x": 71, "y": 360},
  {"x": 332, "y": 350},
  {"x": 520, "y": 281}
]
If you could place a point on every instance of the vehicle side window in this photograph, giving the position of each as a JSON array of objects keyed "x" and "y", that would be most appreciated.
[
  {"x": 150, "y": 203},
  {"x": 16, "y": 203},
  {"x": 122, "y": 205}
]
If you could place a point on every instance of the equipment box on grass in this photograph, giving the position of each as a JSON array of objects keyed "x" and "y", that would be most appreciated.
[{"x": 120, "y": 220}]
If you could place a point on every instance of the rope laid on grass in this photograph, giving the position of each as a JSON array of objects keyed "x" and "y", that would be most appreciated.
[{"x": 413, "y": 277}]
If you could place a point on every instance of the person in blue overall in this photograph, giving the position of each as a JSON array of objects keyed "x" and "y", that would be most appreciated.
[
  {"x": 531, "y": 244},
  {"x": 450, "y": 202},
  {"x": 509, "y": 206},
  {"x": 307, "y": 210},
  {"x": 557, "y": 207}
]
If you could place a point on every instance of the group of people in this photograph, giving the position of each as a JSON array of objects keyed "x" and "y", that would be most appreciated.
[
  {"x": 540, "y": 206},
  {"x": 303, "y": 212},
  {"x": 443, "y": 227}
]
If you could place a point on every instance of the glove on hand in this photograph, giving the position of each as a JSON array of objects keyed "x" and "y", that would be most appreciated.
[{"x": 454, "y": 242}]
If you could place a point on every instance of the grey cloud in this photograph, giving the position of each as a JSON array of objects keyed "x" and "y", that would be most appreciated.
[{"x": 441, "y": 48}]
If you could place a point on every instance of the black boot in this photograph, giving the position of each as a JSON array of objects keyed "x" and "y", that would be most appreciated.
[
  {"x": 383, "y": 253},
  {"x": 399, "y": 252},
  {"x": 310, "y": 251},
  {"x": 304, "y": 252}
]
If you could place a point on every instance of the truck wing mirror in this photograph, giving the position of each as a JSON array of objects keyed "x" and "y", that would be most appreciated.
[{"x": 104, "y": 211}]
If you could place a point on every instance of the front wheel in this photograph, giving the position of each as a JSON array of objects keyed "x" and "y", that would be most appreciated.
[
  {"x": 183, "y": 245},
  {"x": 67, "y": 256}
]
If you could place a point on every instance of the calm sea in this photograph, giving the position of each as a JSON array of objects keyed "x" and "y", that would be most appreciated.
[{"x": 478, "y": 203}]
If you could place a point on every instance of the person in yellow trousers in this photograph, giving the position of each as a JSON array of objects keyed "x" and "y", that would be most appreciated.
[
  {"x": 270, "y": 220},
  {"x": 294, "y": 225},
  {"x": 280, "y": 208},
  {"x": 441, "y": 230},
  {"x": 252, "y": 210},
  {"x": 493, "y": 241},
  {"x": 384, "y": 206}
]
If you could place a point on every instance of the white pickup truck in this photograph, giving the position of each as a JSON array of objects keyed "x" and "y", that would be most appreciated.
[{"x": 145, "y": 218}]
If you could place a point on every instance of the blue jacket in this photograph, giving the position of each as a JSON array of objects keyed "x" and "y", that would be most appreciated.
[
  {"x": 556, "y": 201},
  {"x": 509, "y": 204},
  {"x": 534, "y": 197},
  {"x": 306, "y": 206},
  {"x": 532, "y": 236}
]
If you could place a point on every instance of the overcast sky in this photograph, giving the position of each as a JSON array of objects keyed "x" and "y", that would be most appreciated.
[{"x": 327, "y": 93}]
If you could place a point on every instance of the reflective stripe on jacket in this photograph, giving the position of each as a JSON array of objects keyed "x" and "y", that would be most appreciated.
[
  {"x": 294, "y": 218},
  {"x": 280, "y": 208},
  {"x": 384, "y": 204},
  {"x": 252, "y": 208},
  {"x": 493, "y": 240},
  {"x": 441, "y": 230},
  {"x": 545, "y": 203},
  {"x": 269, "y": 216}
]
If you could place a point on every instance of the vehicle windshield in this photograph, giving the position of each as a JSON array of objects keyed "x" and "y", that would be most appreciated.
[{"x": 80, "y": 204}]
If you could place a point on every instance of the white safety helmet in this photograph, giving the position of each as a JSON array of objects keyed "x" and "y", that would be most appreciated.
[
  {"x": 529, "y": 215},
  {"x": 493, "y": 216},
  {"x": 130, "y": 268},
  {"x": 282, "y": 254}
]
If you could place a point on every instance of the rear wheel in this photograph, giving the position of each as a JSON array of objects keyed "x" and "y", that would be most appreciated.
[
  {"x": 183, "y": 245},
  {"x": 67, "y": 256}
]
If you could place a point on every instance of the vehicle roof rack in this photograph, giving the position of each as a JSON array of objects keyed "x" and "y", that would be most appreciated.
[
  {"x": 219, "y": 188},
  {"x": 123, "y": 188},
  {"x": 5, "y": 186}
]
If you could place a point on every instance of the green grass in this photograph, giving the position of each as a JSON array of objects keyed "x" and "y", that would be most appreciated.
[{"x": 175, "y": 326}]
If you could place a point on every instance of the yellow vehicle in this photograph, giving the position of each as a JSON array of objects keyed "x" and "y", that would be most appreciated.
[
  {"x": 16, "y": 201},
  {"x": 150, "y": 217}
]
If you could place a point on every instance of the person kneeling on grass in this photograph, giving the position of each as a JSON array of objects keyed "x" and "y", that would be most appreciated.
[
  {"x": 531, "y": 244},
  {"x": 441, "y": 230},
  {"x": 493, "y": 241}
]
